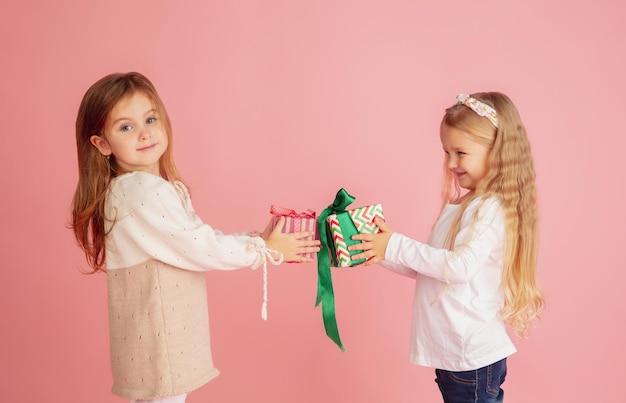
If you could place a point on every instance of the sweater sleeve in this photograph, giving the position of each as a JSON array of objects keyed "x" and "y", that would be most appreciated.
[
  {"x": 475, "y": 243},
  {"x": 151, "y": 218}
]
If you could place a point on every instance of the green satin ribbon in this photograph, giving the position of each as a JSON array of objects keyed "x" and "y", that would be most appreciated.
[{"x": 325, "y": 294}]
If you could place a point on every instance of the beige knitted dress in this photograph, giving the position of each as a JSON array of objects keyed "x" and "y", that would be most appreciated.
[{"x": 157, "y": 250}]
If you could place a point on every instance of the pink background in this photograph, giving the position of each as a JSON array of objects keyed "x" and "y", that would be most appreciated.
[{"x": 284, "y": 102}]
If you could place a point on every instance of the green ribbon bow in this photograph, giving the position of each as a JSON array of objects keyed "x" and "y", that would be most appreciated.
[{"x": 325, "y": 294}]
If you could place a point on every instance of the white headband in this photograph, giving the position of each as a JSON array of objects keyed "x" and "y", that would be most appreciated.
[{"x": 481, "y": 108}]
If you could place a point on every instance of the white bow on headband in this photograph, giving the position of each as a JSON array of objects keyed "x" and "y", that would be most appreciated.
[{"x": 481, "y": 108}]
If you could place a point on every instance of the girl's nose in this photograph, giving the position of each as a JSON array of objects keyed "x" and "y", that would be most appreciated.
[
  {"x": 144, "y": 134},
  {"x": 451, "y": 163}
]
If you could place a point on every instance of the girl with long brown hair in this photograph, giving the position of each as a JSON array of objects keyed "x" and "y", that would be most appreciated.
[{"x": 132, "y": 216}]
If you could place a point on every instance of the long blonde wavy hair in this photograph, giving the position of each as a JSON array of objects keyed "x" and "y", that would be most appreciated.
[
  {"x": 510, "y": 178},
  {"x": 95, "y": 171}
]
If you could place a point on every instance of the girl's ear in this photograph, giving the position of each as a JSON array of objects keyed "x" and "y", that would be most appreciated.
[{"x": 101, "y": 144}]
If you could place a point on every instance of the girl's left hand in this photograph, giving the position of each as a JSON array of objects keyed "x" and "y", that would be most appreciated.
[
  {"x": 373, "y": 246},
  {"x": 294, "y": 247}
]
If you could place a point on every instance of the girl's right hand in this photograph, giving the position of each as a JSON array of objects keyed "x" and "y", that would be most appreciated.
[
  {"x": 374, "y": 246},
  {"x": 293, "y": 246}
]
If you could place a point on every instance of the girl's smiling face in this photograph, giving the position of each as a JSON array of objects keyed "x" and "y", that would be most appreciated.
[
  {"x": 465, "y": 158},
  {"x": 134, "y": 135}
]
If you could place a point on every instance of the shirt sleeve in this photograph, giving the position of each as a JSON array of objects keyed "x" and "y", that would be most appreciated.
[
  {"x": 398, "y": 268},
  {"x": 476, "y": 242},
  {"x": 151, "y": 219}
]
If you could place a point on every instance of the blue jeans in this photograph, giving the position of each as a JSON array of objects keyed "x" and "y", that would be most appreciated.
[{"x": 476, "y": 386}]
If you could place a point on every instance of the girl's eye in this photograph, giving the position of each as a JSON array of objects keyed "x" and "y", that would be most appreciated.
[
  {"x": 151, "y": 120},
  {"x": 126, "y": 128}
]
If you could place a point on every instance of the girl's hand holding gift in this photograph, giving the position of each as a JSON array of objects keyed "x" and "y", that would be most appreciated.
[
  {"x": 294, "y": 247},
  {"x": 373, "y": 246}
]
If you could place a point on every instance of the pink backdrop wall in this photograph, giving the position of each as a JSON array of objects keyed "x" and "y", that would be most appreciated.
[{"x": 264, "y": 97}]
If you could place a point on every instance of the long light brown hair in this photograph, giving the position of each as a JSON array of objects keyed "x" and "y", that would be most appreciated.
[
  {"x": 95, "y": 170},
  {"x": 510, "y": 178}
]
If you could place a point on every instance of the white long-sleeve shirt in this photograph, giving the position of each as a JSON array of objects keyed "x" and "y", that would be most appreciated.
[{"x": 458, "y": 295}]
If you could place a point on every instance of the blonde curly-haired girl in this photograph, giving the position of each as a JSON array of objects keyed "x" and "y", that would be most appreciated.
[{"x": 477, "y": 272}]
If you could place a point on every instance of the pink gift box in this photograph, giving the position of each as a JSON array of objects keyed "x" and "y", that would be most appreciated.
[{"x": 296, "y": 222}]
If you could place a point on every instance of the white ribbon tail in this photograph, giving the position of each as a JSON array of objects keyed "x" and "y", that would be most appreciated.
[{"x": 266, "y": 254}]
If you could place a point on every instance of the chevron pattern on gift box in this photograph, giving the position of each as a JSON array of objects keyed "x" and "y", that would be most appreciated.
[
  {"x": 363, "y": 218},
  {"x": 341, "y": 248}
]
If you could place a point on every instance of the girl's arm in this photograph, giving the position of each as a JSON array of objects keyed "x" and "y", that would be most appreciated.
[
  {"x": 474, "y": 245},
  {"x": 398, "y": 268},
  {"x": 154, "y": 221}
]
